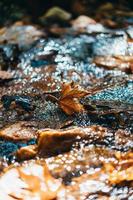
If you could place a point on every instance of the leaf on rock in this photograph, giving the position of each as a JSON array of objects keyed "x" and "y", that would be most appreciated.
[{"x": 69, "y": 99}]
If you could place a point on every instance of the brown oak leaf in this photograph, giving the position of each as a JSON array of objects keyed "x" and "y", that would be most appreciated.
[{"x": 69, "y": 99}]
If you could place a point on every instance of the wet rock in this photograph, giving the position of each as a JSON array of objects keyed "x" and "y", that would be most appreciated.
[
  {"x": 96, "y": 28},
  {"x": 23, "y": 101},
  {"x": 122, "y": 94},
  {"x": 82, "y": 22},
  {"x": 129, "y": 31},
  {"x": 110, "y": 45},
  {"x": 112, "y": 107}
]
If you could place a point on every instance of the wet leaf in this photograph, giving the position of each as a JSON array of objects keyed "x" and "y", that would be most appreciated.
[
  {"x": 69, "y": 99},
  {"x": 31, "y": 180},
  {"x": 127, "y": 60},
  {"x": 120, "y": 170},
  {"x": 21, "y": 131},
  {"x": 54, "y": 141},
  {"x": 25, "y": 153},
  {"x": 121, "y": 175},
  {"x": 110, "y": 62},
  {"x": 4, "y": 75}
]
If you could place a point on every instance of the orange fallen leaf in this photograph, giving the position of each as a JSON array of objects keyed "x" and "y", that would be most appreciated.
[
  {"x": 32, "y": 180},
  {"x": 69, "y": 99},
  {"x": 123, "y": 63},
  {"x": 5, "y": 75},
  {"x": 118, "y": 176},
  {"x": 35, "y": 184},
  {"x": 26, "y": 152},
  {"x": 121, "y": 170}
]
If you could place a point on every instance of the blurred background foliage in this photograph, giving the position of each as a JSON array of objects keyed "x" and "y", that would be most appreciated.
[{"x": 30, "y": 10}]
